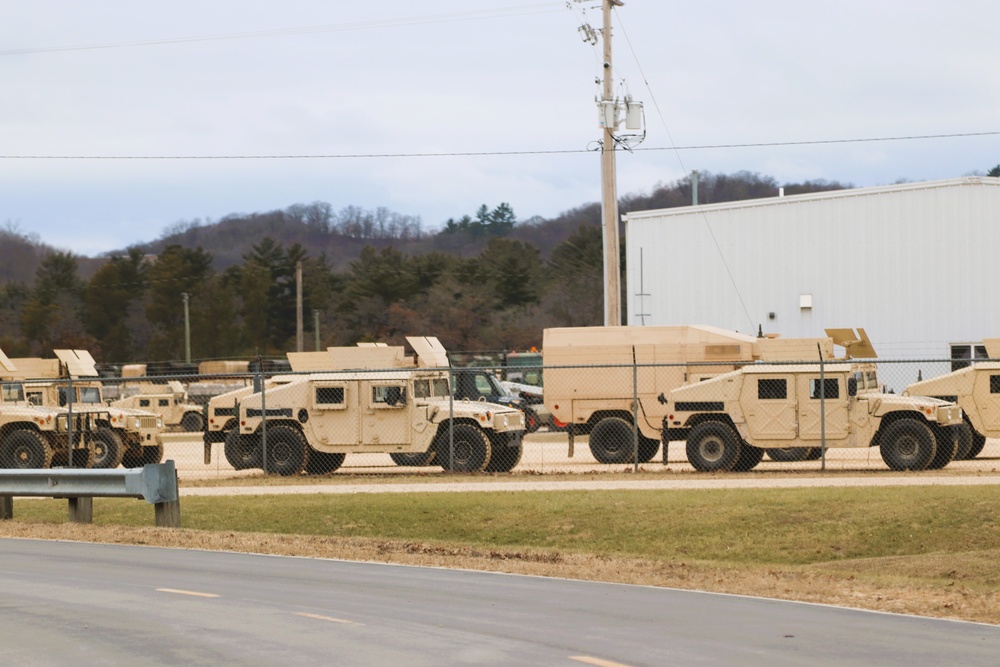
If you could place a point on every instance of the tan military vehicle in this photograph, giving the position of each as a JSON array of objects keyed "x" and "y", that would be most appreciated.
[
  {"x": 167, "y": 400},
  {"x": 314, "y": 421},
  {"x": 728, "y": 421},
  {"x": 38, "y": 437},
  {"x": 222, "y": 413},
  {"x": 976, "y": 389},
  {"x": 590, "y": 379},
  {"x": 122, "y": 436}
]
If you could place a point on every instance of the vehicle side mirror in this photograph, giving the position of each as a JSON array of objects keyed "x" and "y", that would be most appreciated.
[{"x": 852, "y": 386}]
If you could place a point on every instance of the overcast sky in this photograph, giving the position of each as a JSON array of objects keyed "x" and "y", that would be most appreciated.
[{"x": 390, "y": 79}]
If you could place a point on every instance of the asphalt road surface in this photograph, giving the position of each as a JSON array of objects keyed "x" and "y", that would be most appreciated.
[{"x": 65, "y": 603}]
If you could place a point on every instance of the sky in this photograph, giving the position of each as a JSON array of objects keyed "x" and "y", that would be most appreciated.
[{"x": 432, "y": 109}]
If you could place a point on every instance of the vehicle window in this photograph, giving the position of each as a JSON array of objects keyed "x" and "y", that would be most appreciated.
[
  {"x": 330, "y": 395},
  {"x": 90, "y": 395},
  {"x": 771, "y": 389},
  {"x": 389, "y": 396},
  {"x": 421, "y": 388},
  {"x": 995, "y": 384},
  {"x": 143, "y": 402},
  {"x": 35, "y": 398},
  {"x": 13, "y": 391},
  {"x": 483, "y": 385},
  {"x": 440, "y": 388},
  {"x": 830, "y": 387},
  {"x": 164, "y": 402}
]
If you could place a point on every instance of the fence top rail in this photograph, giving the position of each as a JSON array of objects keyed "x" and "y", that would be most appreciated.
[{"x": 154, "y": 482}]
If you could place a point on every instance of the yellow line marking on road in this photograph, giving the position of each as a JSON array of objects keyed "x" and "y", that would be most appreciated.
[
  {"x": 180, "y": 592},
  {"x": 586, "y": 659},
  {"x": 326, "y": 618}
]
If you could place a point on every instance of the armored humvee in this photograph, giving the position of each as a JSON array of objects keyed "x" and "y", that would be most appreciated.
[
  {"x": 593, "y": 373},
  {"x": 121, "y": 436},
  {"x": 39, "y": 437},
  {"x": 728, "y": 421},
  {"x": 976, "y": 389},
  {"x": 167, "y": 400},
  {"x": 407, "y": 409}
]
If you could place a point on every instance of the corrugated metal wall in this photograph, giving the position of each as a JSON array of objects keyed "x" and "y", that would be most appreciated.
[{"x": 916, "y": 265}]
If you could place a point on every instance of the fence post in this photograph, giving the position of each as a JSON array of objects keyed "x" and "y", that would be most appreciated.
[
  {"x": 822, "y": 408},
  {"x": 635, "y": 413},
  {"x": 452, "y": 387},
  {"x": 263, "y": 415}
]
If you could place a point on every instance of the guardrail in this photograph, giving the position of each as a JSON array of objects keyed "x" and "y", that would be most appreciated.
[{"x": 156, "y": 483}]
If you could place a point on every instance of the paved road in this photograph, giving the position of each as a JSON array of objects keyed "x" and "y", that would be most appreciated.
[{"x": 73, "y": 603}]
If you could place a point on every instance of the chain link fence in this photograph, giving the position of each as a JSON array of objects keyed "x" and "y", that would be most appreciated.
[{"x": 908, "y": 415}]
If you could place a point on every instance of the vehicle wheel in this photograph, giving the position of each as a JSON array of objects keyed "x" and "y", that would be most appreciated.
[
  {"x": 83, "y": 457},
  {"x": 964, "y": 441},
  {"x": 978, "y": 442},
  {"x": 713, "y": 447},
  {"x": 815, "y": 453},
  {"x": 132, "y": 458},
  {"x": 108, "y": 448},
  {"x": 243, "y": 451},
  {"x": 503, "y": 458},
  {"x": 647, "y": 448},
  {"x": 25, "y": 448},
  {"x": 322, "y": 463},
  {"x": 946, "y": 439},
  {"x": 908, "y": 444},
  {"x": 151, "y": 454},
  {"x": 472, "y": 449},
  {"x": 287, "y": 452},
  {"x": 412, "y": 460},
  {"x": 531, "y": 421},
  {"x": 192, "y": 422},
  {"x": 749, "y": 458},
  {"x": 791, "y": 454},
  {"x": 611, "y": 441}
]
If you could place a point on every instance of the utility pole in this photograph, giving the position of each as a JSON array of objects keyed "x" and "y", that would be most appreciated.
[
  {"x": 609, "y": 185},
  {"x": 187, "y": 327},
  {"x": 299, "y": 343},
  {"x": 316, "y": 327}
]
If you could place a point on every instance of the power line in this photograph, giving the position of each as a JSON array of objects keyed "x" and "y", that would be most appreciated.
[
  {"x": 345, "y": 156},
  {"x": 519, "y": 10}
]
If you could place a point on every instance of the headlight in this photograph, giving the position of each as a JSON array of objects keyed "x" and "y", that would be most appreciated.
[
  {"x": 138, "y": 423},
  {"x": 159, "y": 422}
]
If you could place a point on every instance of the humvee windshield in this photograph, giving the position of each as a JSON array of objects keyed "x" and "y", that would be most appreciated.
[
  {"x": 428, "y": 388},
  {"x": 13, "y": 391}
]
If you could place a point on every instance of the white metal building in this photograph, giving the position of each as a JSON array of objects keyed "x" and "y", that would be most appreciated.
[{"x": 917, "y": 265}]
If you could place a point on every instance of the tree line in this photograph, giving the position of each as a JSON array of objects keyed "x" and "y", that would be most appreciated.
[{"x": 482, "y": 282}]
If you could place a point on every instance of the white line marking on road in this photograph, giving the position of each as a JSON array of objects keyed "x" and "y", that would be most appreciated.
[
  {"x": 326, "y": 618},
  {"x": 586, "y": 659},
  {"x": 180, "y": 592}
]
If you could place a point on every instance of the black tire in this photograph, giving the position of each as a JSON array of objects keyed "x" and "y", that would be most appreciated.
[
  {"x": 946, "y": 438},
  {"x": 323, "y": 463},
  {"x": 647, "y": 448},
  {"x": 978, "y": 442},
  {"x": 287, "y": 453},
  {"x": 504, "y": 458},
  {"x": 243, "y": 451},
  {"x": 25, "y": 449},
  {"x": 472, "y": 449},
  {"x": 192, "y": 422},
  {"x": 531, "y": 420},
  {"x": 907, "y": 444},
  {"x": 791, "y": 454},
  {"x": 713, "y": 447},
  {"x": 412, "y": 460},
  {"x": 611, "y": 441},
  {"x": 109, "y": 450},
  {"x": 749, "y": 458},
  {"x": 815, "y": 453},
  {"x": 964, "y": 441},
  {"x": 151, "y": 454}
]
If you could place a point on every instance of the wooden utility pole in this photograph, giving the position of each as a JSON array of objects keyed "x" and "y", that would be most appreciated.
[
  {"x": 298, "y": 307},
  {"x": 609, "y": 187}
]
